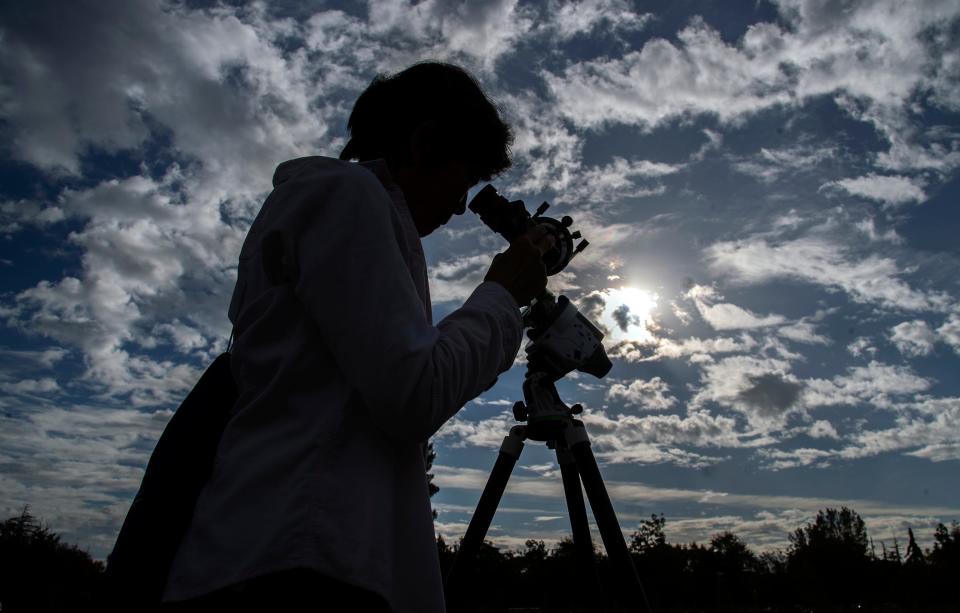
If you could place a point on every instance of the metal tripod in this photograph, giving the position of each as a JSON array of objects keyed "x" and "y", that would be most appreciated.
[{"x": 554, "y": 424}]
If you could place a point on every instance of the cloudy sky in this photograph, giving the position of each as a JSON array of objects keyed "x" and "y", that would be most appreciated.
[{"x": 769, "y": 188}]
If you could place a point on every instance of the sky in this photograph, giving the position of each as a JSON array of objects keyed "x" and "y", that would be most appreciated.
[{"x": 769, "y": 189}]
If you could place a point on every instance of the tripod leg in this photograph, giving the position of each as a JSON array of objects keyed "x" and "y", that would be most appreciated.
[
  {"x": 480, "y": 523},
  {"x": 582, "y": 541},
  {"x": 632, "y": 593}
]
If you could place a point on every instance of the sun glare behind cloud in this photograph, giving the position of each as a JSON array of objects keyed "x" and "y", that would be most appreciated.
[{"x": 628, "y": 313}]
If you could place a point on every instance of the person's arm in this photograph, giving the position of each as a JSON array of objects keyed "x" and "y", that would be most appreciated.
[{"x": 355, "y": 285}]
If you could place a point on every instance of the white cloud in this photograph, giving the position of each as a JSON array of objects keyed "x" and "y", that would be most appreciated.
[
  {"x": 598, "y": 186},
  {"x": 724, "y": 315},
  {"x": 569, "y": 19},
  {"x": 913, "y": 338},
  {"x": 52, "y": 450},
  {"x": 483, "y": 31},
  {"x": 697, "y": 350},
  {"x": 655, "y": 439},
  {"x": 949, "y": 332},
  {"x": 803, "y": 332},
  {"x": 31, "y": 386},
  {"x": 861, "y": 346},
  {"x": 483, "y": 433},
  {"x": 147, "y": 257},
  {"x": 762, "y": 389},
  {"x": 888, "y": 190},
  {"x": 823, "y": 429},
  {"x": 770, "y": 164},
  {"x": 873, "y": 383},
  {"x": 652, "y": 395},
  {"x": 814, "y": 259},
  {"x": 663, "y": 81},
  {"x": 932, "y": 435},
  {"x": 869, "y": 228},
  {"x": 455, "y": 279},
  {"x": 873, "y": 52}
]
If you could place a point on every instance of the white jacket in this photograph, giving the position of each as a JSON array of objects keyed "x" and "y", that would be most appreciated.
[{"x": 342, "y": 378}]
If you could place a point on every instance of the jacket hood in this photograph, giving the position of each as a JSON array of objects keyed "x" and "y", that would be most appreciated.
[{"x": 291, "y": 168}]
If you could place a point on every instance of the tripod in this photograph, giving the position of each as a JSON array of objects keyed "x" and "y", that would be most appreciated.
[{"x": 550, "y": 420}]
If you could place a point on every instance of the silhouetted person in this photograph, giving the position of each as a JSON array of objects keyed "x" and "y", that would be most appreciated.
[{"x": 319, "y": 494}]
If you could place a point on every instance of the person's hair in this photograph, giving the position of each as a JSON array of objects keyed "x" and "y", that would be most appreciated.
[{"x": 470, "y": 127}]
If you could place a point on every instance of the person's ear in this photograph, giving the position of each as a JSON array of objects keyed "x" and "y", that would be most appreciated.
[{"x": 426, "y": 143}]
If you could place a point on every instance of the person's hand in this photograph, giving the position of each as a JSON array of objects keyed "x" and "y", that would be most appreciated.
[{"x": 520, "y": 268}]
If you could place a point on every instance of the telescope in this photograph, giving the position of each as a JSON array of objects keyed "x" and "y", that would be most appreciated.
[{"x": 561, "y": 340}]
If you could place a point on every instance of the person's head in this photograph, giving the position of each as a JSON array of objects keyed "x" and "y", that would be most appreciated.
[{"x": 438, "y": 132}]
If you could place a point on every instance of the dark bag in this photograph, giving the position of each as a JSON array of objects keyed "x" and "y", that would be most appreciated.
[{"x": 180, "y": 465}]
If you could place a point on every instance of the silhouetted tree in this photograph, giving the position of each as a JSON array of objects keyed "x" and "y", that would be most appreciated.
[
  {"x": 429, "y": 455},
  {"x": 946, "y": 547},
  {"x": 732, "y": 554},
  {"x": 828, "y": 558},
  {"x": 39, "y": 573},
  {"x": 649, "y": 535},
  {"x": 914, "y": 553}
]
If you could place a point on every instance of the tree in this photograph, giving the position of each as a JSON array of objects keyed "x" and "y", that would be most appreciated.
[
  {"x": 41, "y": 573},
  {"x": 914, "y": 554},
  {"x": 429, "y": 455},
  {"x": 840, "y": 531},
  {"x": 946, "y": 546},
  {"x": 827, "y": 560},
  {"x": 732, "y": 554},
  {"x": 649, "y": 535}
]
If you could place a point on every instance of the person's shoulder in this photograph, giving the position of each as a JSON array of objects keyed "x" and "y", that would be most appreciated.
[{"x": 328, "y": 173}]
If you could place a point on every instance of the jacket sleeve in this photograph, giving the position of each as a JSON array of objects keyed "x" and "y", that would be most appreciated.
[{"x": 354, "y": 283}]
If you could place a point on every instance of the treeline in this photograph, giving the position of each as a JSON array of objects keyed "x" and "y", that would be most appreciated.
[{"x": 830, "y": 565}]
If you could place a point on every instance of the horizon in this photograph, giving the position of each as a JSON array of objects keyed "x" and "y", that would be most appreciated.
[{"x": 769, "y": 190}]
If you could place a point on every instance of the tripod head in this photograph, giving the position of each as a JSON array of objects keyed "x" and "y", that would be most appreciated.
[{"x": 561, "y": 338}]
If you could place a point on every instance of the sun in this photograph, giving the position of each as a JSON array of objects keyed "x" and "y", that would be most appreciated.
[{"x": 628, "y": 314}]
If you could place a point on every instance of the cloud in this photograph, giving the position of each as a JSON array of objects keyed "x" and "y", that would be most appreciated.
[
  {"x": 868, "y": 227},
  {"x": 930, "y": 433},
  {"x": 724, "y": 315},
  {"x": 620, "y": 179},
  {"x": 656, "y": 439},
  {"x": 873, "y": 384},
  {"x": 823, "y": 429},
  {"x": 913, "y": 338},
  {"x": 819, "y": 260},
  {"x": 570, "y": 19},
  {"x": 861, "y": 346},
  {"x": 147, "y": 257},
  {"x": 488, "y": 432},
  {"x": 949, "y": 332},
  {"x": 770, "y": 164},
  {"x": 803, "y": 332},
  {"x": 760, "y": 388},
  {"x": 771, "y": 394},
  {"x": 696, "y": 349},
  {"x": 652, "y": 395},
  {"x": 454, "y": 279},
  {"x": 873, "y": 57},
  {"x": 483, "y": 31},
  {"x": 888, "y": 190},
  {"x": 764, "y": 521},
  {"x": 52, "y": 450}
]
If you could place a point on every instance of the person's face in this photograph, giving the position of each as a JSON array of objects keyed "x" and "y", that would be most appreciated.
[{"x": 435, "y": 192}]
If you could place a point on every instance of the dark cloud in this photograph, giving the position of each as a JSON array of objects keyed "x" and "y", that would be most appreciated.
[
  {"x": 624, "y": 319},
  {"x": 770, "y": 394}
]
